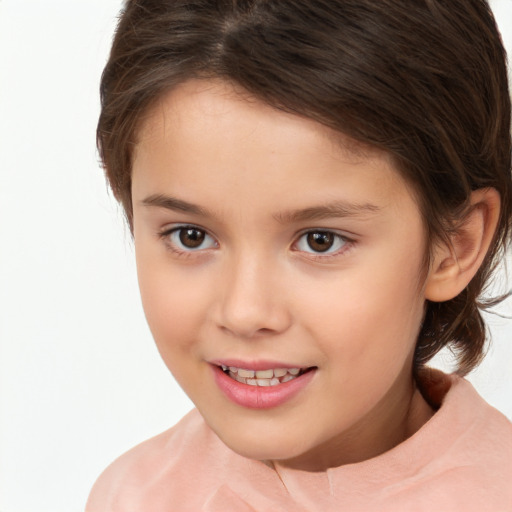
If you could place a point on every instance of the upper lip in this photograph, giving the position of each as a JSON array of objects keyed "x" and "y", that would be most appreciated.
[{"x": 256, "y": 365}]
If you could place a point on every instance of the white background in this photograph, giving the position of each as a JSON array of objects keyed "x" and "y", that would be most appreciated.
[{"x": 80, "y": 379}]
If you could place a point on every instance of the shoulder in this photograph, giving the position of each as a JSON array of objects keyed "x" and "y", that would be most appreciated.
[
  {"x": 483, "y": 422},
  {"x": 459, "y": 460},
  {"x": 478, "y": 431},
  {"x": 155, "y": 469},
  {"x": 458, "y": 403},
  {"x": 489, "y": 433},
  {"x": 473, "y": 464}
]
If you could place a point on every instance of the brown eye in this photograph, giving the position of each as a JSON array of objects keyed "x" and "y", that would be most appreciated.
[
  {"x": 320, "y": 241},
  {"x": 191, "y": 238},
  {"x": 188, "y": 239}
]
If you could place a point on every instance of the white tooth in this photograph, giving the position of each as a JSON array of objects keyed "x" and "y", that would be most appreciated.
[
  {"x": 263, "y": 382},
  {"x": 251, "y": 382},
  {"x": 294, "y": 371},
  {"x": 240, "y": 379},
  {"x": 233, "y": 369},
  {"x": 248, "y": 374},
  {"x": 280, "y": 372},
  {"x": 264, "y": 374},
  {"x": 224, "y": 367},
  {"x": 275, "y": 381},
  {"x": 286, "y": 378}
]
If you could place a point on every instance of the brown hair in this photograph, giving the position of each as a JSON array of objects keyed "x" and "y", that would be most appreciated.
[{"x": 423, "y": 80}]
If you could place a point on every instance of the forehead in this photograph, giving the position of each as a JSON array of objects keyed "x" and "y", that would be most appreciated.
[
  {"x": 208, "y": 102},
  {"x": 213, "y": 131}
]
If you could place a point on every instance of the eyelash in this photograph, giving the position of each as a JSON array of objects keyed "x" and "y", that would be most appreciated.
[
  {"x": 176, "y": 230},
  {"x": 320, "y": 256},
  {"x": 324, "y": 256}
]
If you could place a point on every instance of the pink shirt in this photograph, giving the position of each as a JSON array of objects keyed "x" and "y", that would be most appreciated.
[{"x": 460, "y": 460}]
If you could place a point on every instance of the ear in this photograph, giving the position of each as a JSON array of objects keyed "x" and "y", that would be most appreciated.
[{"x": 454, "y": 265}]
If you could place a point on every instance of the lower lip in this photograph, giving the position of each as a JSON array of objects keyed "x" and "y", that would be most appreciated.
[{"x": 260, "y": 397}]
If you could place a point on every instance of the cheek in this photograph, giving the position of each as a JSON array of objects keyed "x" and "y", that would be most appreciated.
[
  {"x": 368, "y": 315},
  {"x": 173, "y": 304}
]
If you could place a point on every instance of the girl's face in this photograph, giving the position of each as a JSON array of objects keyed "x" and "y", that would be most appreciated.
[{"x": 268, "y": 244}]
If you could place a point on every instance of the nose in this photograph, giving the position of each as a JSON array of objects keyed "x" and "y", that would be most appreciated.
[{"x": 251, "y": 299}]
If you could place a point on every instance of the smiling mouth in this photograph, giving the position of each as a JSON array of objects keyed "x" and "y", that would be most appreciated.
[{"x": 264, "y": 378}]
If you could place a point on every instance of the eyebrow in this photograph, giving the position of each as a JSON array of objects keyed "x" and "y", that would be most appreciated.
[
  {"x": 171, "y": 203},
  {"x": 330, "y": 210}
]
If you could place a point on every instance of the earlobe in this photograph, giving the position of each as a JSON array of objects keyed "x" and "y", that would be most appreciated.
[{"x": 454, "y": 265}]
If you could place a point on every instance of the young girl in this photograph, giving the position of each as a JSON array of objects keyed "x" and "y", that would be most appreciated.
[{"x": 319, "y": 192}]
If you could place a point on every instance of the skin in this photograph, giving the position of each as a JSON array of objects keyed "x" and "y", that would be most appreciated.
[{"x": 255, "y": 290}]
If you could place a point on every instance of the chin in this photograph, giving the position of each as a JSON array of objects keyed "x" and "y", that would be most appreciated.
[{"x": 260, "y": 446}]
